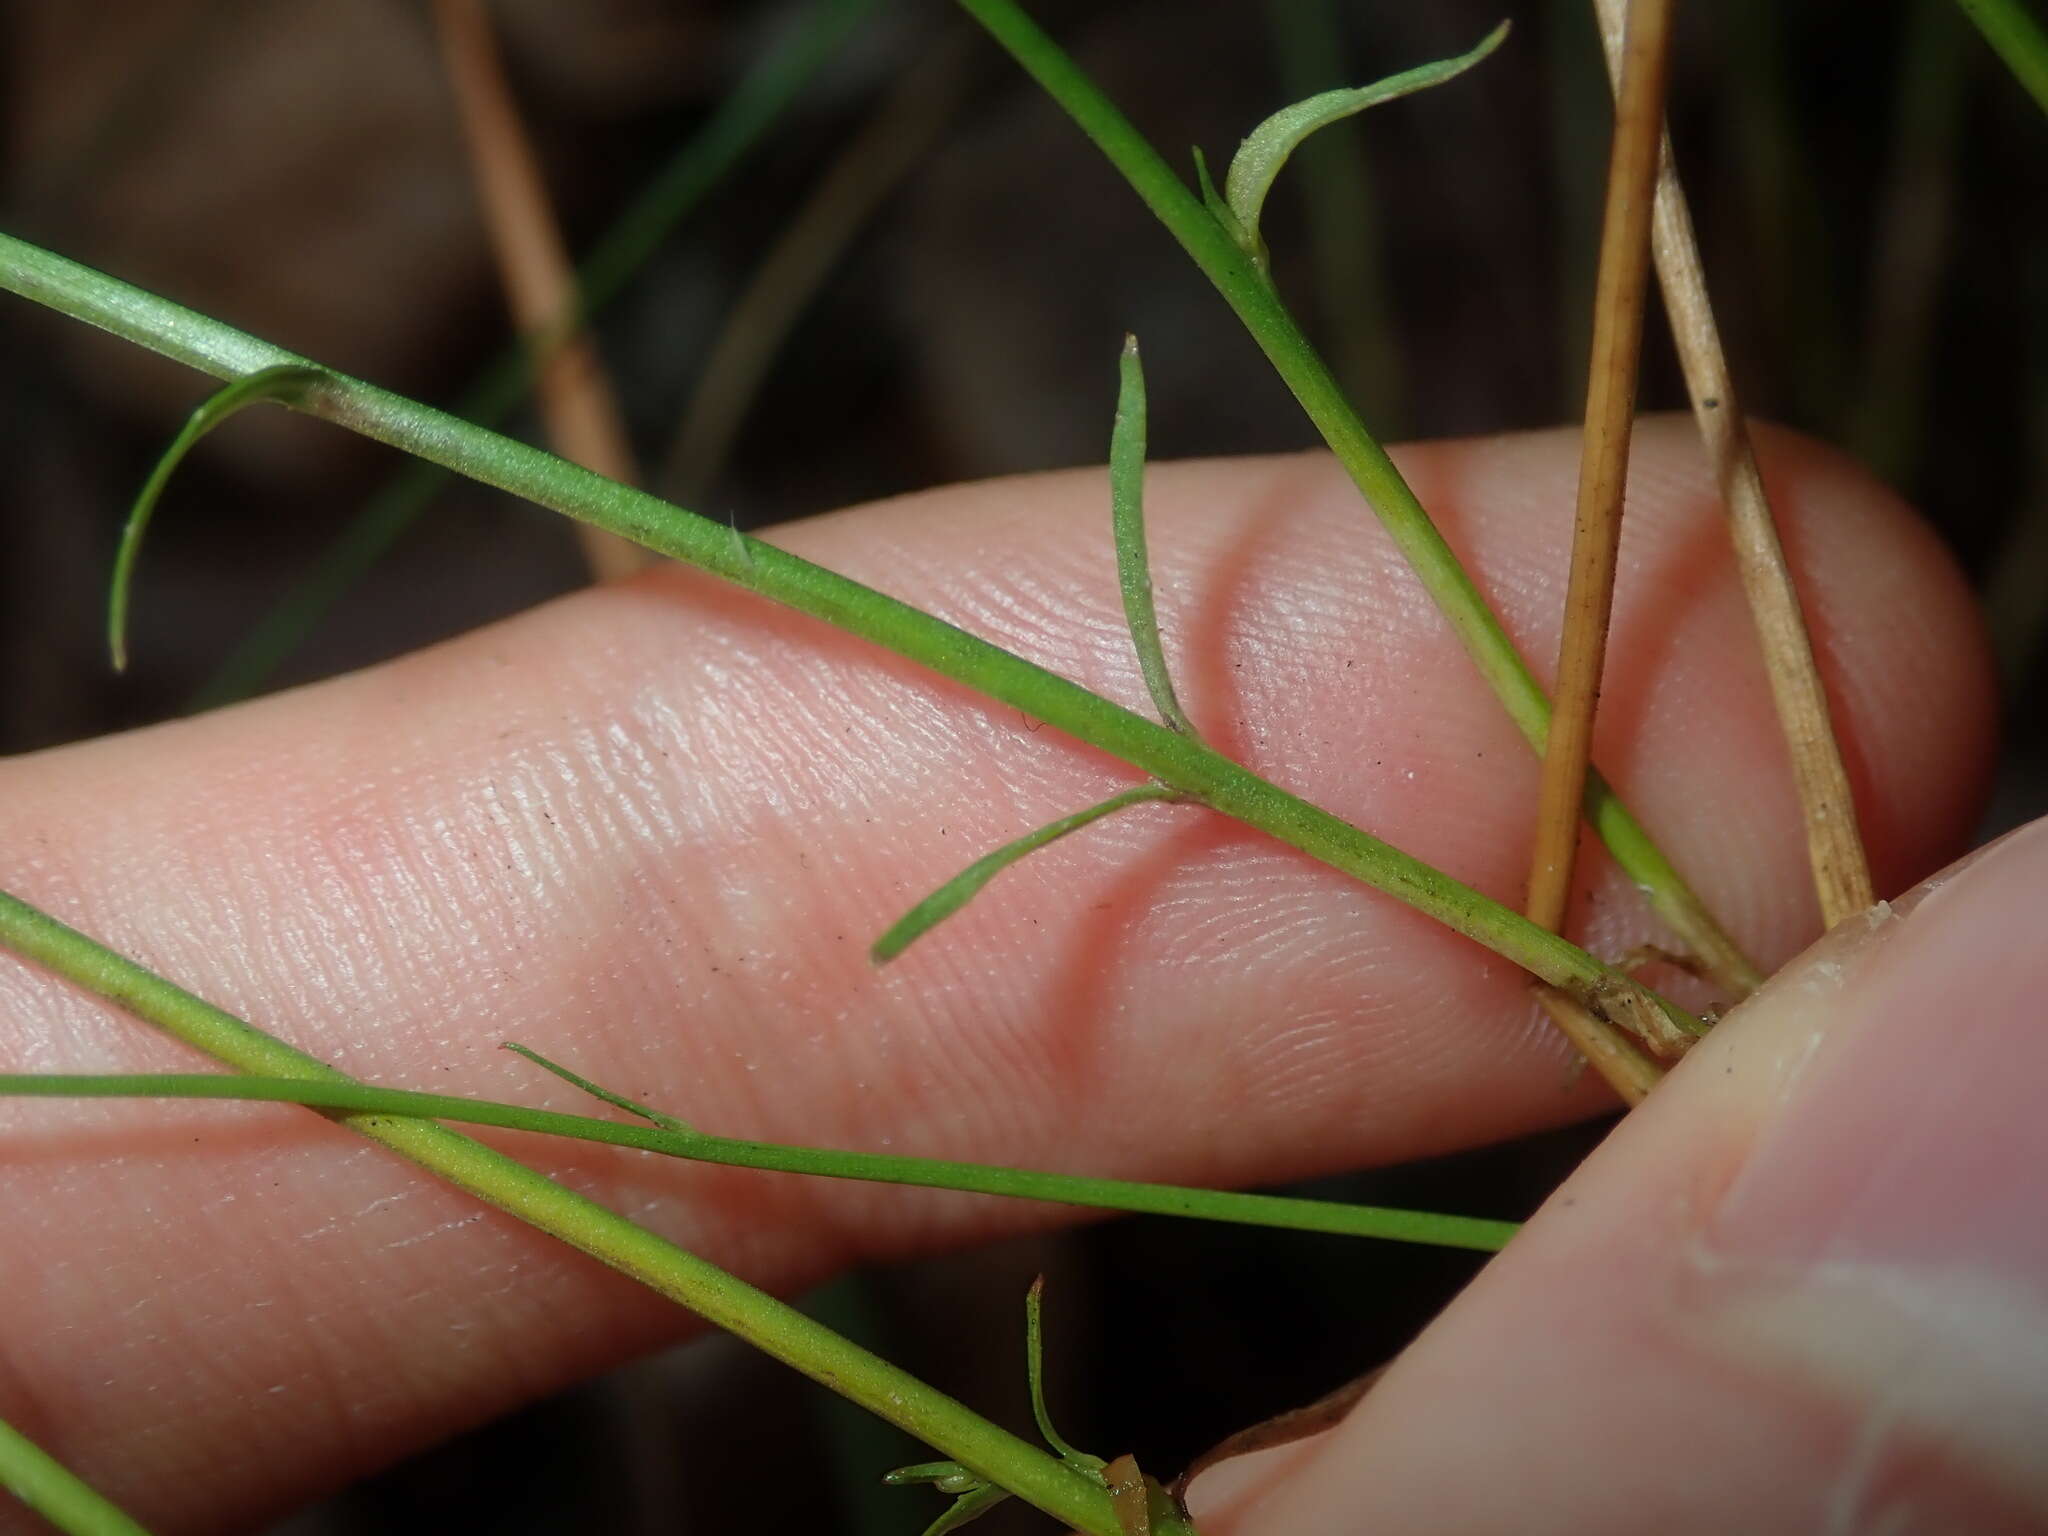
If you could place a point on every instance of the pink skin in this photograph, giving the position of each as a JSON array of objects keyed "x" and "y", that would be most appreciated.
[
  {"x": 1804, "y": 1290},
  {"x": 650, "y": 831}
]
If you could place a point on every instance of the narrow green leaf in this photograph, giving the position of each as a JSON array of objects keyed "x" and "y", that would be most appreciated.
[
  {"x": 1034, "y": 1373},
  {"x": 969, "y": 1506},
  {"x": 965, "y": 886},
  {"x": 286, "y": 384},
  {"x": 2018, "y": 40},
  {"x": 1127, "y": 519},
  {"x": 946, "y": 1476},
  {"x": 55, "y": 1492},
  {"x": 1213, "y": 200},
  {"x": 1266, "y": 148},
  {"x": 598, "y": 1091}
]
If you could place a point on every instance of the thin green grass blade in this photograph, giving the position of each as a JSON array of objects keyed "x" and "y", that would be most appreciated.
[
  {"x": 740, "y": 122},
  {"x": 2017, "y": 39},
  {"x": 55, "y": 1492},
  {"x": 965, "y": 886},
  {"x": 1266, "y": 148},
  {"x": 284, "y": 385},
  {"x": 599, "y": 1092},
  {"x": 1473, "y": 1233},
  {"x": 1127, "y": 519}
]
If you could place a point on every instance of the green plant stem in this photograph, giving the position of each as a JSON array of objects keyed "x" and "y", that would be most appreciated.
[
  {"x": 739, "y": 122},
  {"x": 57, "y": 1493},
  {"x": 2018, "y": 40},
  {"x": 770, "y": 1325},
  {"x": 1467, "y": 1232},
  {"x": 1165, "y": 754},
  {"x": 1258, "y": 306}
]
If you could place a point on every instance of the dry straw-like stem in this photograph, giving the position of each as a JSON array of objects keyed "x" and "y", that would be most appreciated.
[
  {"x": 1840, "y": 870},
  {"x": 1596, "y": 538},
  {"x": 584, "y": 422},
  {"x": 874, "y": 163}
]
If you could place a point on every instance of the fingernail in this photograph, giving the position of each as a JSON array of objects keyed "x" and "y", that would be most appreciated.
[{"x": 1886, "y": 1240}]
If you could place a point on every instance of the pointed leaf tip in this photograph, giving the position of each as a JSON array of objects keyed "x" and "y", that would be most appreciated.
[{"x": 965, "y": 886}]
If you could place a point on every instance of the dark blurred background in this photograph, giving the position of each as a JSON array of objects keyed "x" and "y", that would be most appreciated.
[{"x": 1869, "y": 187}]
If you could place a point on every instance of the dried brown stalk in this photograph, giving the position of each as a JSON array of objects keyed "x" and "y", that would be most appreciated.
[
  {"x": 1841, "y": 872},
  {"x": 872, "y": 165},
  {"x": 1596, "y": 537},
  {"x": 1603, "y": 466},
  {"x": 583, "y": 419}
]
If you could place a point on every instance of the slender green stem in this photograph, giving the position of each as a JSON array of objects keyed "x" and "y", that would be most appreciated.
[
  {"x": 57, "y": 1493},
  {"x": 1034, "y": 1377},
  {"x": 1468, "y": 1232},
  {"x": 1127, "y": 521},
  {"x": 740, "y": 121},
  {"x": 770, "y": 1325},
  {"x": 1164, "y": 754},
  {"x": 1258, "y": 306},
  {"x": 2018, "y": 39}
]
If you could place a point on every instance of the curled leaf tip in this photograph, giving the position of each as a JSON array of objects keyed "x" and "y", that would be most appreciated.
[
  {"x": 1266, "y": 148},
  {"x": 287, "y": 384}
]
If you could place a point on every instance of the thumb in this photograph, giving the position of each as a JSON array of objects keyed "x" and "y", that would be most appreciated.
[{"x": 1805, "y": 1288}]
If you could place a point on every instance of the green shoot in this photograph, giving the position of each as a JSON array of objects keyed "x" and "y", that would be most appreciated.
[
  {"x": 1134, "y": 576},
  {"x": 1034, "y": 1371},
  {"x": 286, "y": 384},
  {"x": 1190, "y": 767},
  {"x": 2018, "y": 40},
  {"x": 975, "y": 1496},
  {"x": 1127, "y": 517},
  {"x": 1225, "y": 262},
  {"x": 1266, "y": 148},
  {"x": 55, "y": 1492},
  {"x": 965, "y": 886},
  {"x": 1473, "y": 1233},
  {"x": 722, "y": 1299}
]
